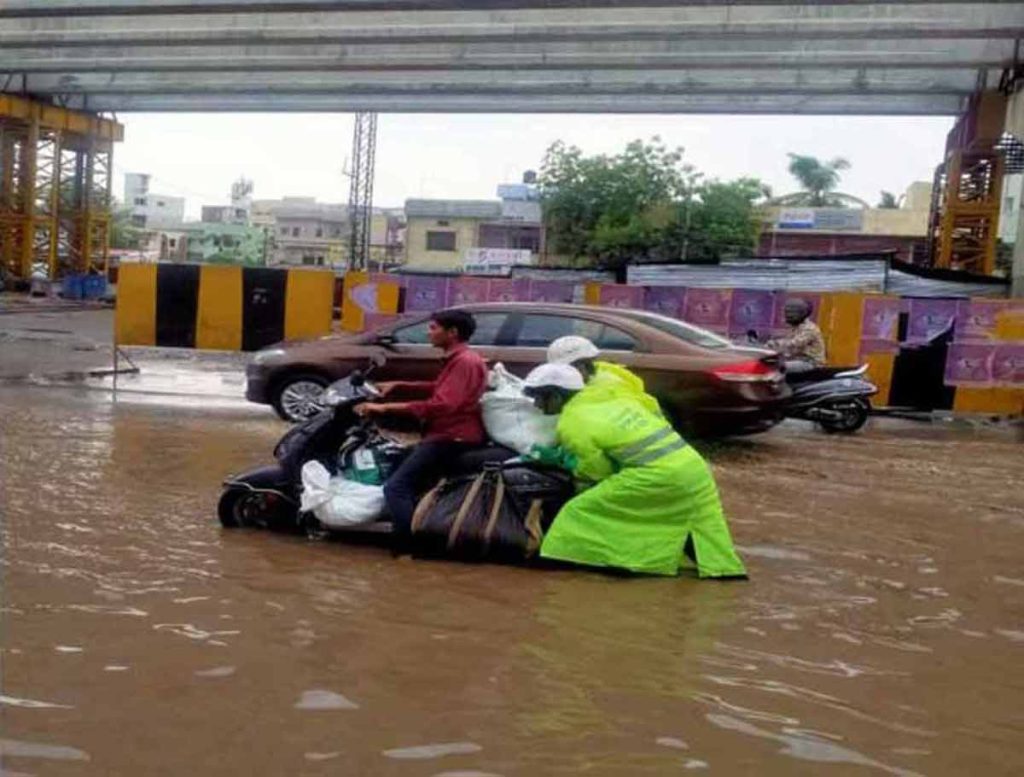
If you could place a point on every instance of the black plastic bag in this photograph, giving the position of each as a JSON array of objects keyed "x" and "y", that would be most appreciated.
[{"x": 496, "y": 516}]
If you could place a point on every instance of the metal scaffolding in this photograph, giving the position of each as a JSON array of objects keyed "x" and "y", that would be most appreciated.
[
  {"x": 55, "y": 198},
  {"x": 360, "y": 197},
  {"x": 964, "y": 220}
]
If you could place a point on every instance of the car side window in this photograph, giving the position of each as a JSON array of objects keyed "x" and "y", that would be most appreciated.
[
  {"x": 612, "y": 339},
  {"x": 489, "y": 328},
  {"x": 488, "y": 331},
  {"x": 538, "y": 331},
  {"x": 413, "y": 334}
]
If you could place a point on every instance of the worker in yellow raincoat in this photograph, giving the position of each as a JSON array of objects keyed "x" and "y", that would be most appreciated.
[
  {"x": 653, "y": 508},
  {"x": 582, "y": 354}
]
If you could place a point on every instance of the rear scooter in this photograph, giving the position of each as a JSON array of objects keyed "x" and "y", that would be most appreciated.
[{"x": 835, "y": 398}]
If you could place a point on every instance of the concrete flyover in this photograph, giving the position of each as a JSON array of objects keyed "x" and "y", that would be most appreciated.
[{"x": 682, "y": 56}]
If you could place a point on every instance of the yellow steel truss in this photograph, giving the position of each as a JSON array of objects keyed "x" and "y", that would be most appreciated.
[
  {"x": 964, "y": 223},
  {"x": 55, "y": 189}
]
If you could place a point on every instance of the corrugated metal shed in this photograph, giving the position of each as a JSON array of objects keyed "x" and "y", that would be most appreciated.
[
  {"x": 863, "y": 274},
  {"x": 769, "y": 274}
]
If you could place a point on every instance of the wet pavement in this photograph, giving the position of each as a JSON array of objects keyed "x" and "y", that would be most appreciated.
[{"x": 882, "y": 630}]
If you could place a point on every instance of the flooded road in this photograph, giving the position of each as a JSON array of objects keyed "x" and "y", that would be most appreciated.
[{"x": 882, "y": 630}]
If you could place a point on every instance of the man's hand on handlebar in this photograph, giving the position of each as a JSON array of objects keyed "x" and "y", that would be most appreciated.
[
  {"x": 381, "y": 408},
  {"x": 387, "y": 387},
  {"x": 370, "y": 408}
]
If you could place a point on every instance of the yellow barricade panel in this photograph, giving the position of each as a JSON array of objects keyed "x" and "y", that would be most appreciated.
[
  {"x": 846, "y": 312},
  {"x": 135, "y": 317},
  {"x": 309, "y": 304},
  {"x": 219, "y": 318},
  {"x": 997, "y": 401}
]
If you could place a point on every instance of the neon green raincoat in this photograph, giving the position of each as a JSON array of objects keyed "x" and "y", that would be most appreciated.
[
  {"x": 616, "y": 377},
  {"x": 653, "y": 493}
]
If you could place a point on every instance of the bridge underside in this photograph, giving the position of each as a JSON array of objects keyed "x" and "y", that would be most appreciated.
[{"x": 686, "y": 56}]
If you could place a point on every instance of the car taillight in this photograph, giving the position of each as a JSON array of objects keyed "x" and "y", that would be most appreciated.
[{"x": 753, "y": 371}]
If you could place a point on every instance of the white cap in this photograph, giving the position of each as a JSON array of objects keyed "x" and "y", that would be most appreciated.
[
  {"x": 571, "y": 348},
  {"x": 555, "y": 376}
]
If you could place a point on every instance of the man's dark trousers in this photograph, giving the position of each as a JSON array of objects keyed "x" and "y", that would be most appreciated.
[{"x": 427, "y": 464}]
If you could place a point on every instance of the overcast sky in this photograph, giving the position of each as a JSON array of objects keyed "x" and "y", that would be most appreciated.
[{"x": 465, "y": 156}]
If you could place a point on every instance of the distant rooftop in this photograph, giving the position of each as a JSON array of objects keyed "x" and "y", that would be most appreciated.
[{"x": 455, "y": 209}]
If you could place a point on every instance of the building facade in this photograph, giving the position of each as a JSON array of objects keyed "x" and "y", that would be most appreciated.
[
  {"x": 221, "y": 244},
  {"x": 799, "y": 231},
  {"x": 148, "y": 209},
  {"x": 1013, "y": 206},
  {"x": 238, "y": 212},
  {"x": 449, "y": 234},
  {"x": 306, "y": 232}
]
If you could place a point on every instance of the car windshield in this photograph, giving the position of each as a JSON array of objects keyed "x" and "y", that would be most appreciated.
[{"x": 676, "y": 328}]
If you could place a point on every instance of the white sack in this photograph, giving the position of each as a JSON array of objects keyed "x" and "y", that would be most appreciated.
[
  {"x": 336, "y": 501},
  {"x": 510, "y": 417}
]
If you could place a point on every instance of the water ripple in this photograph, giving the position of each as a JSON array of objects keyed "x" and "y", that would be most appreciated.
[{"x": 807, "y": 748}]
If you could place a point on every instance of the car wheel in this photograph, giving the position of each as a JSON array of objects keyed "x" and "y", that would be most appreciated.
[
  {"x": 297, "y": 397},
  {"x": 853, "y": 415}
]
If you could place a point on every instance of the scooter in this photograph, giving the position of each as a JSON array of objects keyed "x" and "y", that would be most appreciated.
[
  {"x": 835, "y": 398},
  {"x": 269, "y": 497}
]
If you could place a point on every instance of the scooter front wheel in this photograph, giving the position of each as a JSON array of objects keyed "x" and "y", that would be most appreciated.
[
  {"x": 849, "y": 416},
  {"x": 242, "y": 508}
]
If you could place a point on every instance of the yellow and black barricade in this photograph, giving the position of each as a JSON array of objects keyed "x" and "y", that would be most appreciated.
[{"x": 221, "y": 307}]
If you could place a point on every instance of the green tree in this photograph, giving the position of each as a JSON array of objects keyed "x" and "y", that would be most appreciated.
[
  {"x": 644, "y": 203},
  {"x": 725, "y": 220},
  {"x": 888, "y": 201},
  {"x": 123, "y": 234},
  {"x": 818, "y": 178}
]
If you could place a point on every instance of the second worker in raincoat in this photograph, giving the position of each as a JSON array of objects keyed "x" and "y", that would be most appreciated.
[{"x": 582, "y": 354}]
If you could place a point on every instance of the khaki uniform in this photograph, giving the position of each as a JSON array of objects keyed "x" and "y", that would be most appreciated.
[{"x": 805, "y": 343}]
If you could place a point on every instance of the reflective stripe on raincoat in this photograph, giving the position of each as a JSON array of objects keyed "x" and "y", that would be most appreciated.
[
  {"x": 653, "y": 492},
  {"x": 614, "y": 376}
]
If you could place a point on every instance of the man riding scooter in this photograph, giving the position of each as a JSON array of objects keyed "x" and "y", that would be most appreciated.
[
  {"x": 451, "y": 417},
  {"x": 804, "y": 347},
  {"x": 836, "y": 398}
]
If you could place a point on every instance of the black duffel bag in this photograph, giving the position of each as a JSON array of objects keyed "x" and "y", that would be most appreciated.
[{"x": 498, "y": 515}]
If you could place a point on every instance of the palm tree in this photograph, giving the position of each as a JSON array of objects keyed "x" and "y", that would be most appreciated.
[
  {"x": 818, "y": 178},
  {"x": 888, "y": 201}
]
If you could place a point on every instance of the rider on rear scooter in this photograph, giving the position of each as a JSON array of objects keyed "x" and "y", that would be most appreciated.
[{"x": 804, "y": 347}]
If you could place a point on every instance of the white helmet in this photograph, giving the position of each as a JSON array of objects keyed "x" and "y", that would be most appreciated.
[
  {"x": 570, "y": 349},
  {"x": 560, "y": 376}
]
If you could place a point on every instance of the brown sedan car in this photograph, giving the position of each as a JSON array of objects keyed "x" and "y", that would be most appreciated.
[{"x": 706, "y": 385}]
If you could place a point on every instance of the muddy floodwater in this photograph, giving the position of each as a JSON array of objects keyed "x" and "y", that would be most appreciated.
[{"x": 882, "y": 630}]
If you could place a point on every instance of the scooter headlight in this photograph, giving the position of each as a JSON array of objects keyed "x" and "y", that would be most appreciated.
[{"x": 332, "y": 397}]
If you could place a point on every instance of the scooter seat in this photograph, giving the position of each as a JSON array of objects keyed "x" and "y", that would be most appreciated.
[
  {"x": 472, "y": 461},
  {"x": 818, "y": 373}
]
